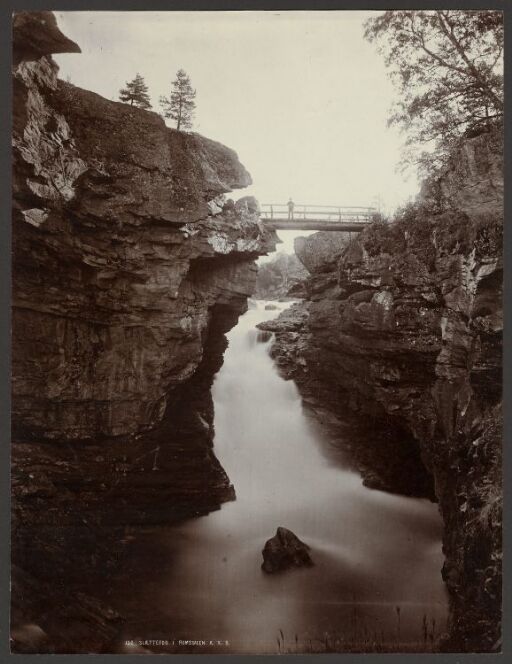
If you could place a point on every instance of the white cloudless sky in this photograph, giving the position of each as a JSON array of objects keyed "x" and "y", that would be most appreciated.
[{"x": 301, "y": 96}]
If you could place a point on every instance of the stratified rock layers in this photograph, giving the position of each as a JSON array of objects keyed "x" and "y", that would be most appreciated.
[
  {"x": 129, "y": 266},
  {"x": 405, "y": 327},
  {"x": 113, "y": 214}
]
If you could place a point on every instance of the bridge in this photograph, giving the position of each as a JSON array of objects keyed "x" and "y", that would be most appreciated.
[{"x": 317, "y": 217}]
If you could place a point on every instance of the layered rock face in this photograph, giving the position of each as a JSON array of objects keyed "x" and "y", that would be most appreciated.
[
  {"x": 405, "y": 328},
  {"x": 114, "y": 214},
  {"x": 129, "y": 265}
]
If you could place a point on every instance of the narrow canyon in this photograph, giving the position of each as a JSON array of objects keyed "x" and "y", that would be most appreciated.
[{"x": 133, "y": 318}]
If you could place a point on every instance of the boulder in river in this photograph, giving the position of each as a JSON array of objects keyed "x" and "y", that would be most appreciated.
[
  {"x": 283, "y": 551},
  {"x": 263, "y": 336}
]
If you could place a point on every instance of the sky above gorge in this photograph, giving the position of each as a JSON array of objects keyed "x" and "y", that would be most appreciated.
[{"x": 301, "y": 96}]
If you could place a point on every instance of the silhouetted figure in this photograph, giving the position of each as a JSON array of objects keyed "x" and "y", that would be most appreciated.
[{"x": 291, "y": 206}]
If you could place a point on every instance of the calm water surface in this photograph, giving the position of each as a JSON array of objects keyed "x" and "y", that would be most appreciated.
[{"x": 373, "y": 551}]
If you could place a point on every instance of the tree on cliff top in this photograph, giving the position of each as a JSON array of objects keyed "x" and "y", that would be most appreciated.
[
  {"x": 448, "y": 68},
  {"x": 136, "y": 93},
  {"x": 180, "y": 105}
]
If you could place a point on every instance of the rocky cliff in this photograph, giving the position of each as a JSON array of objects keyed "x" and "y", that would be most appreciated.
[
  {"x": 404, "y": 326},
  {"x": 115, "y": 215},
  {"x": 129, "y": 265}
]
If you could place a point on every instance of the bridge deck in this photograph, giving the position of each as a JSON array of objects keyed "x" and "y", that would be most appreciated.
[
  {"x": 315, "y": 225},
  {"x": 317, "y": 217}
]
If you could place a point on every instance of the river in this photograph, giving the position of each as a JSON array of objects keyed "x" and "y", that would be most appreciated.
[{"x": 377, "y": 556}]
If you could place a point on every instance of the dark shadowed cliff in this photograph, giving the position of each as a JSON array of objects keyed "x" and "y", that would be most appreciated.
[
  {"x": 129, "y": 265},
  {"x": 404, "y": 326}
]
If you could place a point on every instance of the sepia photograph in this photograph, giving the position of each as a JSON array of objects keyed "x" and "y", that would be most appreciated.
[{"x": 256, "y": 342}]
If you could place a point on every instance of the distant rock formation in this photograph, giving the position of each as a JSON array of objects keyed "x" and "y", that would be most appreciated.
[
  {"x": 283, "y": 551},
  {"x": 280, "y": 277},
  {"x": 321, "y": 251}
]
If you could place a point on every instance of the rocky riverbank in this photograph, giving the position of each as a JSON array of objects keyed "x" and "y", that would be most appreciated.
[
  {"x": 403, "y": 327},
  {"x": 129, "y": 265}
]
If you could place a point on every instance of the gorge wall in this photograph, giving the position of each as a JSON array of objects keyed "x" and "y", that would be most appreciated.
[
  {"x": 114, "y": 214},
  {"x": 129, "y": 265},
  {"x": 404, "y": 326}
]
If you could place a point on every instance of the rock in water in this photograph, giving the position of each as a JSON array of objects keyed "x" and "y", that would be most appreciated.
[
  {"x": 263, "y": 336},
  {"x": 285, "y": 550}
]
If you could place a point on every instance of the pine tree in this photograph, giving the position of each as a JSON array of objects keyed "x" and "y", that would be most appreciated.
[
  {"x": 180, "y": 105},
  {"x": 135, "y": 93}
]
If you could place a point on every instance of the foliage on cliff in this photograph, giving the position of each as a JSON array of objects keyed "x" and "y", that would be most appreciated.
[
  {"x": 180, "y": 104},
  {"x": 136, "y": 93},
  {"x": 447, "y": 66},
  {"x": 430, "y": 236}
]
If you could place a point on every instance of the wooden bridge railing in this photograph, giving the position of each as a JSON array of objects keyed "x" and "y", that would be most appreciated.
[{"x": 352, "y": 213}]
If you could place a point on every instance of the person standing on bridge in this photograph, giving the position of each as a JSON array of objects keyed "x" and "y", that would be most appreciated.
[{"x": 291, "y": 206}]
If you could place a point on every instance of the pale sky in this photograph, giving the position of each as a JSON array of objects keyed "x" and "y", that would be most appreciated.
[{"x": 300, "y": 96}]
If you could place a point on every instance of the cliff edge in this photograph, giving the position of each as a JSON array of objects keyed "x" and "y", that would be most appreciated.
[
  {"x": 404, "y": 326},
  {"x": 129, "y": 266}
]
